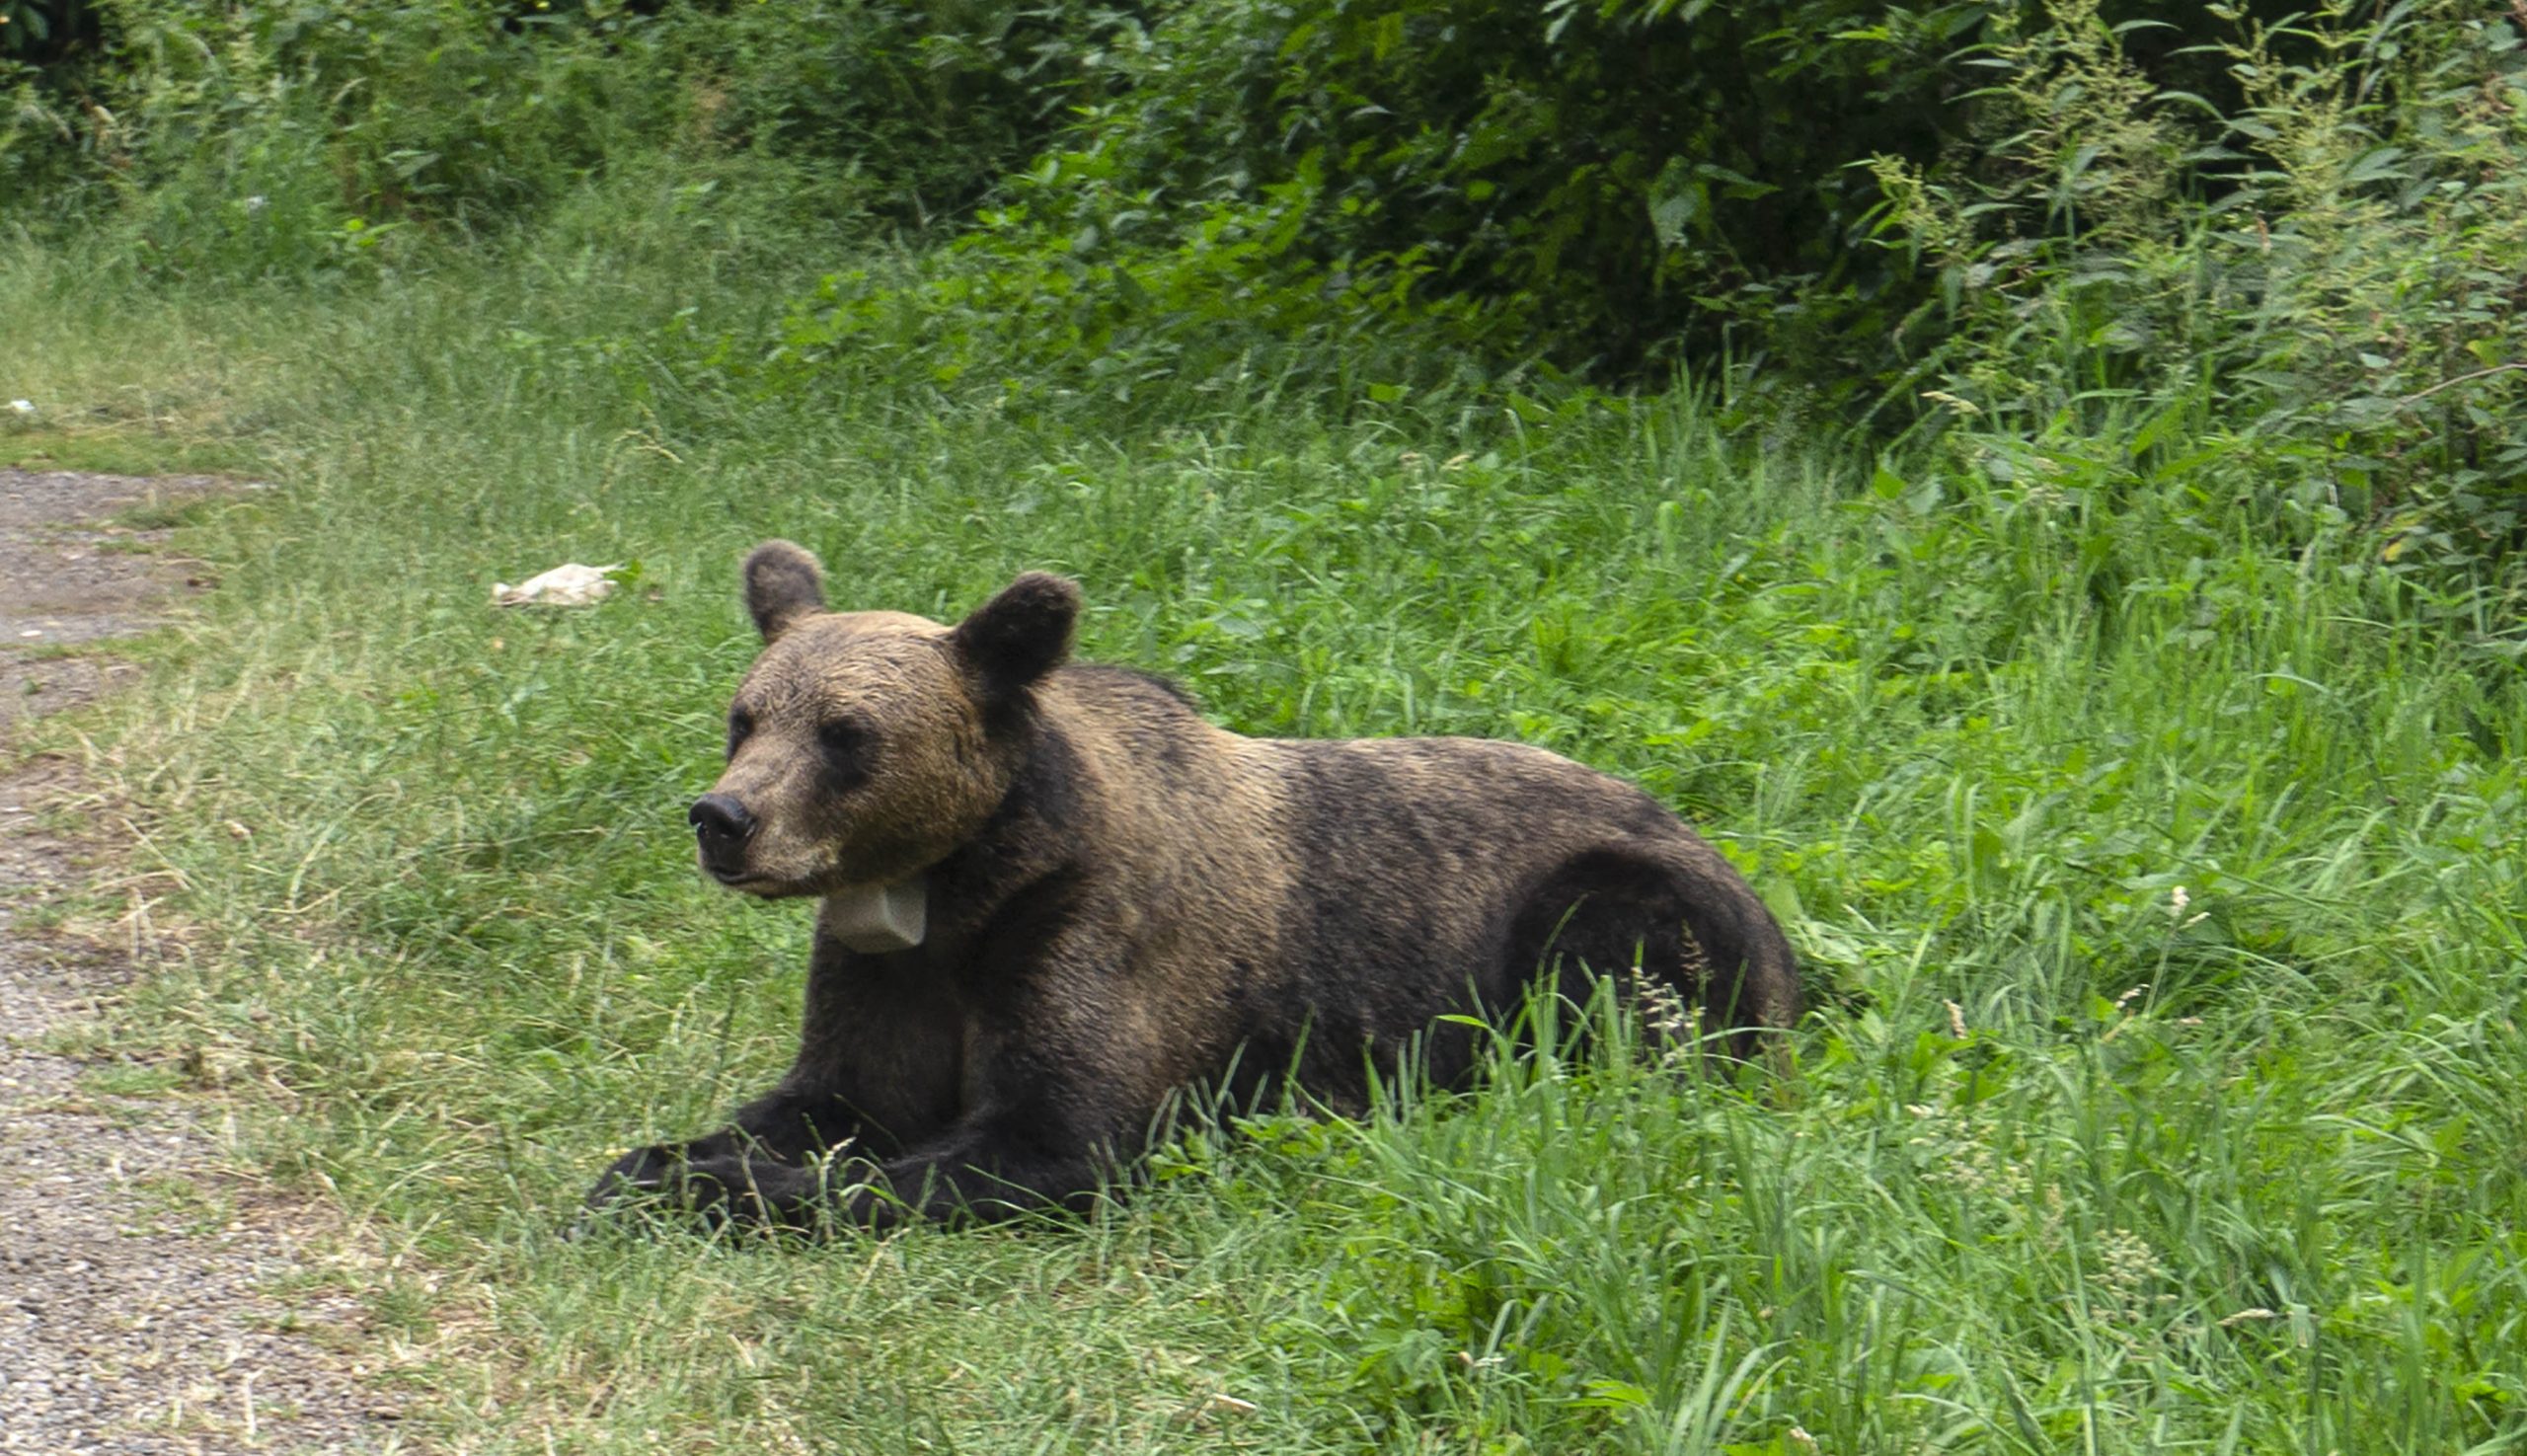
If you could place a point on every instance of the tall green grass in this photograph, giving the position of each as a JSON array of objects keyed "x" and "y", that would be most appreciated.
[{"x": 2160, "y": 889}]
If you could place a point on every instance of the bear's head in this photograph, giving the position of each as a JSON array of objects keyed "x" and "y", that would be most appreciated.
[{"x": 864, "y": 747}]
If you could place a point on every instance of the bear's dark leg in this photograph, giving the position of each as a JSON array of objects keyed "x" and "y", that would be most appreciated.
[
  {"x": 878, "y": 1067},
  {"x": 989, "y": 1169},
  {"x": 984, "y": 1174},
  {"x": 1057, "y": 1094},
  {"x": 777, "y": 1130},
  {"x": 1059, "y": 1102},
  {"x": 980, "y": 1174},
  {"x": 1696, "y": 931}
]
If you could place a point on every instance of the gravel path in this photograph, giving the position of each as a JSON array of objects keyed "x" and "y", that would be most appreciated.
[{"x": 147, "y": 1299}]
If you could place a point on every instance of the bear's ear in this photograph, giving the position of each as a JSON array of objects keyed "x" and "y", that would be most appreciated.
[
  {"x": 783, "y": 585},
  {"x": 1020, "y": 635}
]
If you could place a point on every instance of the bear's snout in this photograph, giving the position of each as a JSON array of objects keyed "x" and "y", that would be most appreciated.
[{"x": 721, "y": 829}]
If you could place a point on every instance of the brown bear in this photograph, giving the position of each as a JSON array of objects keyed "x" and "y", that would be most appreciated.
[{"x": 1053, "y": 895}]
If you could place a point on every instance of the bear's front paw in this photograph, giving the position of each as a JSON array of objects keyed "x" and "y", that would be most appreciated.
[
  {"x": 733, "y": 1189},
  {"x": 725, "y": 1187},
  {"x": 640, "y": 1173}
]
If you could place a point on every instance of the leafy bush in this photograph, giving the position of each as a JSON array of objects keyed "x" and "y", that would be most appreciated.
[
  {"x": 911, "y": 110},
  {"x": 1997, "y": 221},
  {"x": 44, "y": 46},
  {"x": 1620, "y": 184},
  {"x": 251, "y": 138},
  {"x": 38, "y": 32},
  {"x": 296, "y": 137},
  {"x": 1604, "y": 180},
  {"x": 2325, "y": 282}
]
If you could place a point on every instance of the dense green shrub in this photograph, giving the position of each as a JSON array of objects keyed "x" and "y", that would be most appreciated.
[
  {"x": 1623, "y": 184},
  {"x": 1262, "y": 183},
  {"x": 46, "y": 31},
  {"x": 45, "y": 46},
  {"x": 909, "y": 110},
  {"x": 1587, "y": 171},
  {"x": 264, "y": 137},
  {"x": 2299, "y": 267},
  {"x": 2338, "y": 310},
  {"x": 2292, "y": 239},
  {"x": 249, "y": 138}
]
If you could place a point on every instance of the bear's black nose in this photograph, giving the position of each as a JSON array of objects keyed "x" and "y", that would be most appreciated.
[{"x": 721, "y": 818}]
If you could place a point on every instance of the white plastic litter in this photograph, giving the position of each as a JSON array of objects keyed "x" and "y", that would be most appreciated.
[
  {"x": 569, "y": 585},
  {"x": 21, "y": 406}
]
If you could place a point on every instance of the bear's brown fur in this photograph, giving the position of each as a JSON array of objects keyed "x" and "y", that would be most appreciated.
[{"x": 1117, "y": 898}]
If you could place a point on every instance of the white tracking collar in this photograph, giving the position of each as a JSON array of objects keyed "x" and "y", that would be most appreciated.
[{"x": 876, "y": 918}]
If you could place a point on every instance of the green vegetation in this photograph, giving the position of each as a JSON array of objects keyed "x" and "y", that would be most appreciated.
[{"x": 2129, "y": 732}]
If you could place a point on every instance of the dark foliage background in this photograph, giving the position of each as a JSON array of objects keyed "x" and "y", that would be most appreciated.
[{"x": 1915, "y": 218}]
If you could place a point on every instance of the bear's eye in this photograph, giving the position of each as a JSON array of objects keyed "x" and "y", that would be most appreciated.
[
  {"x": 843, "y": 739},
  {"x": 847, "y": 744},
  {"x": 740, "y": 729}
]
